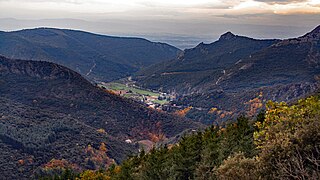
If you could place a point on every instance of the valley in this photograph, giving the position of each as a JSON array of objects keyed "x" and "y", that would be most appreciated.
[
  {"x": 128, "y": 90},
  {"x": 150, "y": 98},
  {"x": 79, "y": 105}
]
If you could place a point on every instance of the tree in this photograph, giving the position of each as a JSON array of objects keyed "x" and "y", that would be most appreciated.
[{"x": 289, "y": 140}]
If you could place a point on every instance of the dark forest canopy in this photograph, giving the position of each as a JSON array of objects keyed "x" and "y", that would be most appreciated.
[{"x": 281, "y": 143}]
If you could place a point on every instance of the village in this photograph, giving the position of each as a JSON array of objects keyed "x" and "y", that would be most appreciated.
[{"x": 152, "y": 99}]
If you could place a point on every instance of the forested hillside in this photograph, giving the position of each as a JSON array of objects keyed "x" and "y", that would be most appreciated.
[
  {"x": 281, "y": 143},
  {"x": 50, "y": 112},
  {"x": 97, "y": 57}
]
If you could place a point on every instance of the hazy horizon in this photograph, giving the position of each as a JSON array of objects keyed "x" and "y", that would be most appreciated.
[{"x": 182, "y": 23}]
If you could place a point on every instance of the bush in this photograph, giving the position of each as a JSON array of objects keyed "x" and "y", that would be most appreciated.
[{"x": 238, "y": 167}]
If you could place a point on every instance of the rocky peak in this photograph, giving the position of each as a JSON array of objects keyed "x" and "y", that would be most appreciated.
[
  {"x": 311, "y": 37},
  {"x": 316, "y": 30},
  {"x": 314, "y": 34},
  {"x": 226, "y": 36}
]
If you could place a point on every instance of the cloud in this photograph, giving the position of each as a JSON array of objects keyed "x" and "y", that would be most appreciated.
[
  {"x": 281, "y": 1},
  {"x": 156, "y": 10},
  {"x": 47, "y": 1}
]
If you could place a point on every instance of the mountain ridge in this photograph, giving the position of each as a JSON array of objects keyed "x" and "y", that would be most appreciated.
[
  {"x": 97, "y": 57},
  {"x": 281, "y": 70},
  {"x": 202, "y": 62}
]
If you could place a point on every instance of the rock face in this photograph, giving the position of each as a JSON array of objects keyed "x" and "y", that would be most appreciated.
[
  {"x": 96, "y": 57},
  {"x": 49, "y": 111},
  {"x": 235, "y": 70}
]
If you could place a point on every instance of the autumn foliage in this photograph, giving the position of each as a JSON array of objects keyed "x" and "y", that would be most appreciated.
[
  {"x": 289, "y": 140},
  {"x": 98, "y": 158},
  {"x": 255, "y": 104},
  {"x": 281, "y": 143},
  {"x": 60, "y": 164},
  {"x": 183, "y": 112}
]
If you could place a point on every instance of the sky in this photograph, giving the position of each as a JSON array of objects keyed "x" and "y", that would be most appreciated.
[{"x": 174, "y": 21}]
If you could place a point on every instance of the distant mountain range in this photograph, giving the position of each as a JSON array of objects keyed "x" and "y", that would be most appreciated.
[
  {"x": 48, "y": 111},
  {"x": 97, "y": 57},
  {"x": 238, "y": 74}
]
